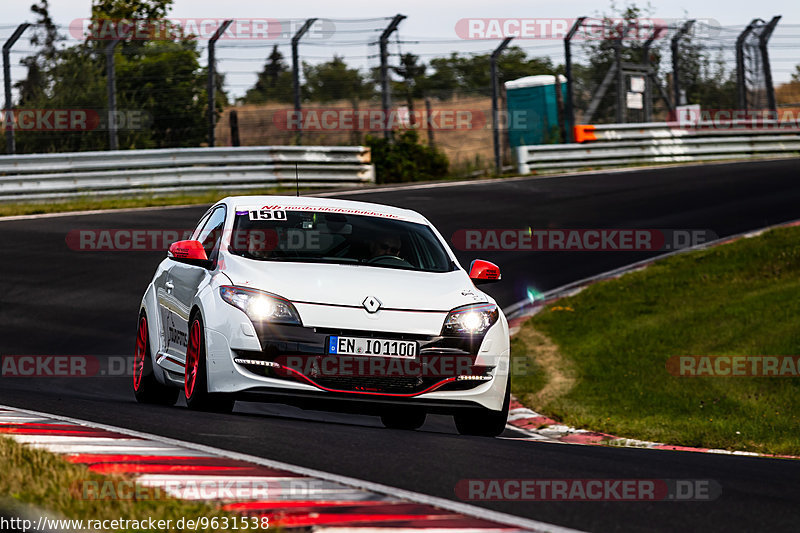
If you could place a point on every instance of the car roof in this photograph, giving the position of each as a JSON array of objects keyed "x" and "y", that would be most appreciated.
[{"x": 333, "y": 205}]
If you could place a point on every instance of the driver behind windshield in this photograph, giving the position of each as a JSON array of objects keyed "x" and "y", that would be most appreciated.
[
  {"x": 385, "y": 245},
  {"x": 306, "y": 237}
]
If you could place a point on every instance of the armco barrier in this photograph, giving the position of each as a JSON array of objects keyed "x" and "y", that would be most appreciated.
[
  {"x": 660, "y": 142},
  {"x": 49, "y": 176}
]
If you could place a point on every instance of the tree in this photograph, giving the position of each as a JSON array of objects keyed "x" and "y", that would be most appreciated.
[
  {"x": 406, "y": 159},
  {"x": 443, "y": 78},
  {"x": 45, "y": 36},
  {"x": 789, "y": 93},
  {"x": 413, "y": 74},
  {"x": 165, "y": 79},
  {"x": 620, "y": 25},
  {"x": 160, "y": 76},
  {"x": 274, "y": 67},
  {"x": 75, "y": 80},
  {"x": 333, "y": 80},
  {"x": 274, "y": 83},
  {"x": 705, "y": 80},
  {"x": 472, "y": 75}
]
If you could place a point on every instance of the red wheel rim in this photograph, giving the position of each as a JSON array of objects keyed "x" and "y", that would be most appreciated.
[
  {"x": 192, "y": 359},
  {"x": 141, "y": 353}
]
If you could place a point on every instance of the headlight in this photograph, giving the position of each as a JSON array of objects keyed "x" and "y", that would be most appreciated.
[
  {"x": 473, "y": 319},
  {"x": 260, "y": 306}
]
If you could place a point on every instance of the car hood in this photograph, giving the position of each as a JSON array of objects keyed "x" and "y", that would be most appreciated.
[{"x": 350, "y": 285}]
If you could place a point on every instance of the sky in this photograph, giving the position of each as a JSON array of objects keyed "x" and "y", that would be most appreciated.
[{"x": 429, "y": 30}]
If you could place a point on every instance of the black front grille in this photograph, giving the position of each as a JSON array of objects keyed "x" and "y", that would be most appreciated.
[{"x": 387, "y": 385}]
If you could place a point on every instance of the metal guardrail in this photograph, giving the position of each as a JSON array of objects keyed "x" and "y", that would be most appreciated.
[
  {"x": 660, "y": 142},
  {"x": 50, "y": 176}
]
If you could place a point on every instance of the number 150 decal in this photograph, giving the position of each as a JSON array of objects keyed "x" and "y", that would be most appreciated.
[{"x": 267, "y": 214}]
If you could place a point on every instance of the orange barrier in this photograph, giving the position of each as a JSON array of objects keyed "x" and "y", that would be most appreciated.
[{"x": 583, "y": 132}]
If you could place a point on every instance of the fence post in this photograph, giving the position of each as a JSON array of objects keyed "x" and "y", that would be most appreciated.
[
  {"x": 233, "y": 118},
  {"x": 212, "y": 87},
  {"x": 111, "y": 90},
  {"x": 386, "y": 95},
  {"x": 648, "y": 82},
  {"x": 676, "y": 71},
  {"x": 429, "y": 122},
  {"x": 296, "y": 73},
  {"x": 570, "y": 110},
  {"x": 620, "y": 111},
  {"x": 763, "y": 39},
  {"x": 562, "y": 128},
  {"x": 11, "y": 146},
  {"x": 498, "y": 165},
  {"x": 741, "y": 81}
]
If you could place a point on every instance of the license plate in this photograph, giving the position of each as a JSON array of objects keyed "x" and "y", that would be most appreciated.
[{"x": 372, "y": 347}]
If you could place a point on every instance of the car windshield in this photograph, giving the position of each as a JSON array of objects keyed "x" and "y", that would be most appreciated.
[{"x": 319, "y": 237}]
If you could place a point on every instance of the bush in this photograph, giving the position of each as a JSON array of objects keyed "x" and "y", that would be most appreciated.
[{"x": 406, "y": 159}]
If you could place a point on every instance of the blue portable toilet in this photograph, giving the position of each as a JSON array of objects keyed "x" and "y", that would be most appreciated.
[{"x": 533, "y": 109}]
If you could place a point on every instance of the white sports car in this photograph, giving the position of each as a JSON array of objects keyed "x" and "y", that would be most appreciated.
[{"x": 324, "y": 304}]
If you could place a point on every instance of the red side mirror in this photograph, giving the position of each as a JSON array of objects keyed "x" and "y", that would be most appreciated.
[
  {"x": 481, "y": 271},
  {"x": 191, "y": 252}
]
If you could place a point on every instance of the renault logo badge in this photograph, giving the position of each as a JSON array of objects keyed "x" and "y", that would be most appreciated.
[{"x": 371, "y": 304}]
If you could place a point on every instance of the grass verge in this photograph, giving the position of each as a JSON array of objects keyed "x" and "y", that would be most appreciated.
[
  {"x": 37, "y": 479},
  {"x": 614, "y": 339},
  {"x": 88, "y": 203}
]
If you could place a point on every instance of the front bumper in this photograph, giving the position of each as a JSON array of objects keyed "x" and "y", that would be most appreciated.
[
  {"x": 299, "y": 354},
  {"x": 448, "y": 374}
]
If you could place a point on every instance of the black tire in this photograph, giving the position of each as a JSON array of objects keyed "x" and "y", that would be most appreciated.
[
  {"x": 146, "y": 387},
  {"x": 196, "y": 386},
  {"x": 404, "y": 418},
  {"x": 485, "y": 422}
]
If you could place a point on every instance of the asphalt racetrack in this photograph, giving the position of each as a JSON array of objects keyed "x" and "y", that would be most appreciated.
[{"x": 58, "y": 301}]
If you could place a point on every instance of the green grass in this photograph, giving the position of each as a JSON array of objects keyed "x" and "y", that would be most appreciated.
[
  {"x": 38, "y": 481},
  {"x": 741, "y": 298},
  {"x": 87, "y": 203},
  {"x": 527, "y": 375}
]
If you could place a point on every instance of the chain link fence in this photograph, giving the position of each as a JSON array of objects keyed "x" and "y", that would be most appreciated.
[{"x": 99, "y": 84}]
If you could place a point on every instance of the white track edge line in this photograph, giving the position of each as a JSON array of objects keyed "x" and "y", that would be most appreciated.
[{"x": 386, "y": 490}]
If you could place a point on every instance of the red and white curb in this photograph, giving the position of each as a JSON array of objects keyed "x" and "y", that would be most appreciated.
[
  {"x": 541, "y": 428},
  {"x": 290, "y": 496}
]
